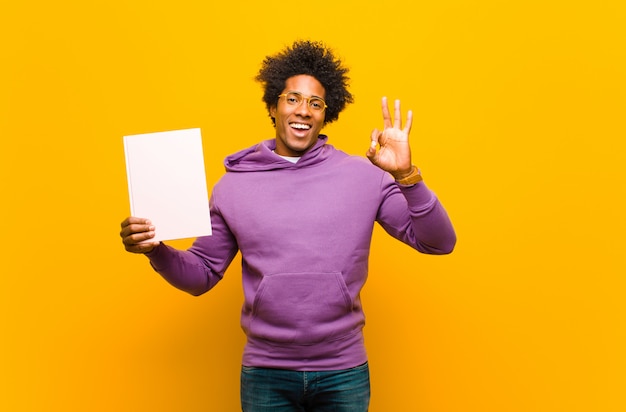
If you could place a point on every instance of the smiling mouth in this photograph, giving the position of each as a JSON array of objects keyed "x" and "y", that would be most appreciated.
[{"x": 300, "y": 126}]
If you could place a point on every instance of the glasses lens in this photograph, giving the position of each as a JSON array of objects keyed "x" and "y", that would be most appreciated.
[
  {"x": 293, "y": 99},
  {"x": 316, "y": 104}
]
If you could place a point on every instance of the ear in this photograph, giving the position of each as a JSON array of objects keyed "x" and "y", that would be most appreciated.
[{"x": 273, "y": 111}]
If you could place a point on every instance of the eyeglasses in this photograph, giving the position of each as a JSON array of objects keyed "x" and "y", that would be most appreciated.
[{"x": 316, "y": 104}]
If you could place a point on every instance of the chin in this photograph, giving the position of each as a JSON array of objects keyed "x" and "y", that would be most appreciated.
[
  {"x": 299, "y": 147},
  {"x": 300, "y": 150}
]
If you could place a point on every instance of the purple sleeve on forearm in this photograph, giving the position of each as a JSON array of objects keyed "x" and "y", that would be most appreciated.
[
  {"x": 182, "y": 269},
  {"x": 414, "y": 215},
  {"x": 202, "y": 266}
]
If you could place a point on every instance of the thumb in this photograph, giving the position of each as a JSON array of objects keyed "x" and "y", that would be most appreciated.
[{"x": 371, "y": 151}]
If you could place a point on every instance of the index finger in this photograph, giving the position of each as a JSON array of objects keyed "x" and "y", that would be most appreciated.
[
  {"x": 131, "y": 220},
  {"x": 386, "y": 115}
]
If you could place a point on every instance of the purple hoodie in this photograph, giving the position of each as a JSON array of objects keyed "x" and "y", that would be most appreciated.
[{"x": 304, "y": 231}]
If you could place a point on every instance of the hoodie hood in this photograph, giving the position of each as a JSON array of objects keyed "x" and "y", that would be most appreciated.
[{"x": 261, "y": 157}]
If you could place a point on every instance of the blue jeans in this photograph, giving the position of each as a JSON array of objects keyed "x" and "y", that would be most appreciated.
[{"x": 278, "y": 390}]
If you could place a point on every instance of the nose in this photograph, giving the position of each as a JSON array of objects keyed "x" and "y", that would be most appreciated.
[{"x": 303, "y": 109}]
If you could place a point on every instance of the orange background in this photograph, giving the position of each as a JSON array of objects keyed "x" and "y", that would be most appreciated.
[{"x": 519, "y": 129}]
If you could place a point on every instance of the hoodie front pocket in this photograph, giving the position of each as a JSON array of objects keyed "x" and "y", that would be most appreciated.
[{"x": 303, "y": 308}]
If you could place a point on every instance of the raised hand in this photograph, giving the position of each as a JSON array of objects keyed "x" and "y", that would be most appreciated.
[{"x": 394, "y": 153}]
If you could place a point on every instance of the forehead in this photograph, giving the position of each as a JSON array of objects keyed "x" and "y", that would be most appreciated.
[{"x": 305, "y": 84}]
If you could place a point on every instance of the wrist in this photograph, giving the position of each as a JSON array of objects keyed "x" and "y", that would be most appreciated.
[
  {"x": 403, "y": 174},
  {"x": 411, "y": 178}
]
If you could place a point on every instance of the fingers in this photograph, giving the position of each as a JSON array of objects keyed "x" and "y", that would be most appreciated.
[
  {"x": 133, "y": 220},
  {"x": 371, "y": 151},
  {"x": 409, "y": 122},
  {"x": 386, "y": 116},
  {"x": 132, "y": 225},
  {"x": 136, "y": 234},
  {"x": 141, "y": 247},
  {"x": 397, "y": 115}
]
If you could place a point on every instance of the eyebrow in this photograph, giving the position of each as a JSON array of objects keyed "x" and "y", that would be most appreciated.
[{"x": 300, "y": 93}]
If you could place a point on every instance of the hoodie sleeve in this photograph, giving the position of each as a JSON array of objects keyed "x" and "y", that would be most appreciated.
[
  {"x": 414, "y": 215},
  {"x": 202, "y": 266}
]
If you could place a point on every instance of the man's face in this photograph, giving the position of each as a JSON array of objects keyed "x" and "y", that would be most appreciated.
[{"x": 297, "y": 126}]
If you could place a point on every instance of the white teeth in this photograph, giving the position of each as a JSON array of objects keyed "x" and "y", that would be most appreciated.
[{"x": 300, "y": 126}]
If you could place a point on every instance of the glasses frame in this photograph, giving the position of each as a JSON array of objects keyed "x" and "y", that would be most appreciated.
[{"x": 308, "y": 101}]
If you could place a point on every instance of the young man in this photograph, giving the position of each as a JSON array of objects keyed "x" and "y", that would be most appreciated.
[{"x": 302, "y": 214}]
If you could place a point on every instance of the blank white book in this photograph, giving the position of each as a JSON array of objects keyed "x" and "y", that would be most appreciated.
[{"x": 167, "y": 182}]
